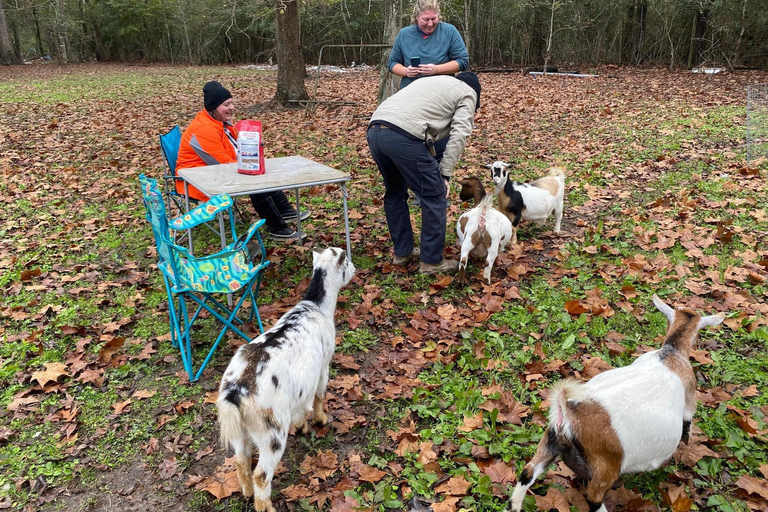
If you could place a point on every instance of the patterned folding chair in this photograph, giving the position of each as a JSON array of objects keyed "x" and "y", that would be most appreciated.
[
  {"x": 195, "y": 281},
  {"x": 169, "y": 144}
]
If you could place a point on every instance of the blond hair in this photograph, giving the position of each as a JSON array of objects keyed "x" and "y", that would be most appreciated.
[{"x": 419, "y": 6}]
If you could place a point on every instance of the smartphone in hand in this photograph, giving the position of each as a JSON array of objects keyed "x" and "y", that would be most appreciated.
[{"x": 415, "y": 62}]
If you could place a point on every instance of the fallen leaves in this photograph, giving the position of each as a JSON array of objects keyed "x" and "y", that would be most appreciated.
[{"x": 51, "y": 373}]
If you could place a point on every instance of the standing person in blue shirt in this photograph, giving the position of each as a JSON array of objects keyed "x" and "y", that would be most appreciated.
[{"x": 437, "y": 45}]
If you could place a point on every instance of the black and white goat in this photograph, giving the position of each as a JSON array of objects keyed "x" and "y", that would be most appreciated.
[
  {"x": 483, "y": 232},
  {"x": 624, "y": 420},
  {"x": 274, "y": 381},
  {"x": 533, "y": 201}
]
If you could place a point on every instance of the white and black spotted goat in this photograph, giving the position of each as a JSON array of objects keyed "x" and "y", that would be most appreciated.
[
  {"x": 624, "y": 420},
  {"x": 533, "y": 201},
  {"x": 274, "y": 381}
]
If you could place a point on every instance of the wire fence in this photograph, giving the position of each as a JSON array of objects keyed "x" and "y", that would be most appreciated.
[{"x": 757, "y": 122}]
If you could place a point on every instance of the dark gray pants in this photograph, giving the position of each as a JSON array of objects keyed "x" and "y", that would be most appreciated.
[{"x": 406, "y": 163}]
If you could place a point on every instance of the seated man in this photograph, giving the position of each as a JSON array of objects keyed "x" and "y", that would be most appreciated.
[{"x": 211, "y": 139}]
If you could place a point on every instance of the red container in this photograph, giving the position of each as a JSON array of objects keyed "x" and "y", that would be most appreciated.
[{"x": 250, "y": 153}]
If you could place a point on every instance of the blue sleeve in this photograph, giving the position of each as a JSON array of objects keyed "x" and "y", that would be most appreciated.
[
  {"x": 396, "y": 55},
  {"x": 458, "y": 50}
]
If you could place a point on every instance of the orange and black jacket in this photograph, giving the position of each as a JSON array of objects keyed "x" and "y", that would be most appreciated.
[{"x": 204, "y": 143}]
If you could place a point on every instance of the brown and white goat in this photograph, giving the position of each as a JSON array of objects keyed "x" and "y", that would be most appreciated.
[
  {"x": 624, "y": 420},
  {"x": 483, "y": 232},
  {"x": 533, "y": 201},
  {"x": 274, "y": 381}
]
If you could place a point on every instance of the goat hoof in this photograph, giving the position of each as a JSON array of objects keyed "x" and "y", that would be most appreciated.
[{"x": 321, "y": 420}]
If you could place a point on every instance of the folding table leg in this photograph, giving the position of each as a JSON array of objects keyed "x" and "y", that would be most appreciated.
[
  {"x": 298, "y": 217},
  {"x": 344, "y": 196},
  {"x": 186, "y": 203}
]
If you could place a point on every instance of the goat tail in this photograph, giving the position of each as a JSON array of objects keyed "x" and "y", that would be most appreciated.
[
  {"x": 558, "y": 172},
  {"x": 233, "y": 419},
  {"x": 230, "y": 423},
  {"x": 560, "y": 394},
  {"x": 485, "y": 204}
]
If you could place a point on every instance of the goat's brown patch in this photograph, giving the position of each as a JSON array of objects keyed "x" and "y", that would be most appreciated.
[
  {"x": 243, "y": 465},
  {"x": 683, "y": 331},
  {"x": 684, "y": 371},
  {"x": 601, "y": 446},
  {"x": 260, "y": 479},
  {"x": 463, "y": 222},
  {"x": 262, "y": 505},
  {"x": 547, "y": 183},
  {"x": 471, "y": 188},
  {"x": 481, "y": 241},
  {"x": 268, "y": 417}
]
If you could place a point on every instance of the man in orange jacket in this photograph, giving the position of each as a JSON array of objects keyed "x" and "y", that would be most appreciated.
[{"x": 211, "y": 139}]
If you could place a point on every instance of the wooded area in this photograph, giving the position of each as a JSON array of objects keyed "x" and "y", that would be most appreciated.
[{"x": 519, "y": 33}]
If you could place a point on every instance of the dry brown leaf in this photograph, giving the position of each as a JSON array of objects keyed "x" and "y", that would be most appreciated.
[
  {"x": 370, "y": 474},
  {"x": 500, "y": 473},
  {"x": 447, "y": 505},
  {"x": 472, "y": 423},
  {"x": 455, "y": 486},
  {"x": 119, "y": 407},
  {"x": 51, "y": 373},
  {"x": 753, "y": 485},
  {"x": 221, "y": 485}
]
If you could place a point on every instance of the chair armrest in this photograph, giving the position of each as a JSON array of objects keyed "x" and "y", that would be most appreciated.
[
  {"x": 206, "y": 212},
  {"x": 243, "y": 240}
]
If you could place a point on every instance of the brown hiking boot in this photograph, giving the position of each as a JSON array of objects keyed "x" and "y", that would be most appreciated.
[
  {"x": 444, "y": 267},
  {"x": 402, "y": 261}
]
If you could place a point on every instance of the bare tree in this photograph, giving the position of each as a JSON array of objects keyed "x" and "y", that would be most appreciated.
[
  {"x": 7, "y": 55},
  {"x": 388, "y": 83},
  {"x": 290, "y": 63},
  {"x": 60, "y": 28}
]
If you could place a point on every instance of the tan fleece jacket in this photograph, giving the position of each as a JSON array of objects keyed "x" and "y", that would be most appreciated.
[{"x": 439, "y": 105}]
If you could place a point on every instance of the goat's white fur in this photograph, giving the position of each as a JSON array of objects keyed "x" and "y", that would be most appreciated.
[
  {"x": 539, "y": 201},
  {"x": 483, "y": 218},
  {"x": 647, "y": 403},
  {"x": 273, "y": 382}
]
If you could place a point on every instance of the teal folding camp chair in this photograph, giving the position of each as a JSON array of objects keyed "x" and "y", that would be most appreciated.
[
  {"x": 169, "y": 144},
  {"x": 195, "y": 281}
]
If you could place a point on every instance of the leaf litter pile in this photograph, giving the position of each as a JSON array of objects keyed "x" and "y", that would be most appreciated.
[{"x": 438, "y": 393}]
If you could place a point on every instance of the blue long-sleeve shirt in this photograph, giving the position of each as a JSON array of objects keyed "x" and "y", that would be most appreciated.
[{"x": 443, "y": 45}]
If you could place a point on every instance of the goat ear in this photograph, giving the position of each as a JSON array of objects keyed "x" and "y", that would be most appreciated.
[
  {"x": 315, "y": 255},
  {"x": 508, "y": 165},
  {"x": 488, "y": 166},
  {"x": 668, "y": 311},
  {"x": 711, "y": 320}
]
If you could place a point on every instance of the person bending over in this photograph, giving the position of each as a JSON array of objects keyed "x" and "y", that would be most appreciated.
[{"x": 406, "y": 136}]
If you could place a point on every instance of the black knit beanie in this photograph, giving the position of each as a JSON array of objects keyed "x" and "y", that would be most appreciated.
[
  {"x": 471, "y": 80},
  {"x": 214, "y": 94}
]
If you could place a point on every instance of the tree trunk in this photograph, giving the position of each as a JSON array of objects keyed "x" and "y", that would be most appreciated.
[
  {"x": 7, "y": 55},
  {"x": 698, "y": 33},
  {"x": 388, "y": 83},
  {"x": 641, "y": 14},
  {"x": 740, "y": 40},
  {"x": 290, "y": 63},
  {"x": 38, "y": 37},
  {"x": 61, "y": 33},
  {"x": 548, "y": 52}
]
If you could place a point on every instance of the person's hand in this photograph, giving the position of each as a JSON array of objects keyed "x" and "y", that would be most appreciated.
[
  {"x": 412, "y": 72},
  {"x": 428, "y": 69},
  {"x": 447, "y": 187}
]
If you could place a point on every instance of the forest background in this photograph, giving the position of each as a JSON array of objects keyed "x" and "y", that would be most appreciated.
[{"x": 519, "y": 33}]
